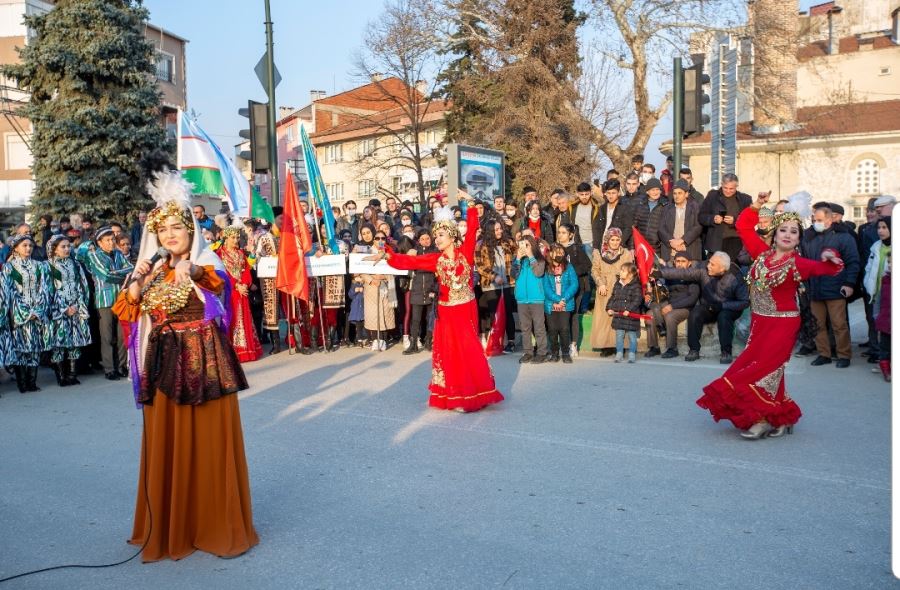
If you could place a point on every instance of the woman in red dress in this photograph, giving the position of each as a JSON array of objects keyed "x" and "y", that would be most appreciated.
[
  {"x": 751, "y": 393},
  {"x": 241, "y": 332},
  {"x": 461, "y": 378}
]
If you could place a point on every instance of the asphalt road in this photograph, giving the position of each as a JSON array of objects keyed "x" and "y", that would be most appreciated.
[{"x": 591, "y": 475}]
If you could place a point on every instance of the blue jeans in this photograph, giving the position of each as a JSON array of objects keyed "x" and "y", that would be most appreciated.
[{"x": 632, "y": 341}]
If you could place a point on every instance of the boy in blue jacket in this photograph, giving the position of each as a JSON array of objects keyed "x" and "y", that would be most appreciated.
[
  {"x": 528, "y": 270},
  {"x": 560, "y": 289}
]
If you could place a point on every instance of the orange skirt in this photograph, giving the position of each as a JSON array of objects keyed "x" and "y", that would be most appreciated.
[{"x": 194, "y": 470}]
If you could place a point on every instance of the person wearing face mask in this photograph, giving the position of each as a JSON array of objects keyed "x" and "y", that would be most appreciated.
[
  {"x": 828, "y": 294},
  {"x": 405, "y": 220},
  {"x": 512, "y": 217},
  {"x": 648, "y": 171},
  {"x": 349, "y": 220}
]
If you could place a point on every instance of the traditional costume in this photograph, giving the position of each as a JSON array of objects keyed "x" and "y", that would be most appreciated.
[
  {"x": 752, "y": 389},
  {"x": 193, "y": 487},
  {"x": 242, "y": 334},
  {"x": 461, "y": 378},
  {"x": 68, "y": 332},
  {"x": 267, "y": 246},
  {"x": 30, "y": 290}
]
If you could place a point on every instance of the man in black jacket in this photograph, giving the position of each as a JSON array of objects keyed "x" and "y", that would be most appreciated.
[
  {"x": 679, "y": 227},
  {"x": 613, "y": 213},
  {"x": 828, "y": 294},
  {"x": 723, "y": 297},
  {"x": 648, "y": 211},
  {"x": 673, "y": 310},
  {"x": 718, "y": 213},
  {"x": 686, "y": 175}
]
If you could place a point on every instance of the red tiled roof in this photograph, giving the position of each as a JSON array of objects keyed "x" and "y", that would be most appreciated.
[
  {"x": 846, "y": 119},
  {"x": 375, "y": 96},
  {"x": 820, "y": 9},
  {"x": 373, "y": 124},
  {"x": 845, "y": 45}
]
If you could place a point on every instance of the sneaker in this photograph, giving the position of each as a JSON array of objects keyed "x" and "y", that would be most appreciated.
[
  {"x": 692, "y": 356},
  {"x": 631, "y": 357},
  {"x": 618, "y": 358},
  {"x": 510, "y": 347},
  {"x": 669, "y": 354},
  {"x": 820, "y": 360},
  {"x": 573, "y": 350},
  {"x": 652, "y": 352},
  {"x": 725, "y": 359},
  {"x": 538, "y": 359},
  {"x": 526, "y": 358},
  {"x": 382, "y": 345},
  {"x": 375, "y": 345},
  {"x": 567, "y": 359},
  {"x": 406, "y": 342}
]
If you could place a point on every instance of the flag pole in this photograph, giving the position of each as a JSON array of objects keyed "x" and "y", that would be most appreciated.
[{"x": 312, "y": 203}]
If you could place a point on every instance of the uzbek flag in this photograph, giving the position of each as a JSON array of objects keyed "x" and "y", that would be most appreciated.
[{"x": 204, "y": 164}]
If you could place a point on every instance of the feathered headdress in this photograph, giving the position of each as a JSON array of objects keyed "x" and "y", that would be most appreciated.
[
  {"x": 797, "y": 208},
  {"x": 172, "y": 194},
  {"x": 443, "y": 219}
]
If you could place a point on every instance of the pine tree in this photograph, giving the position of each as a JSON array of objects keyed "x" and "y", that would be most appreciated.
[
  {"x": 94, "y": 107},
  {"x": 521, "y": 99}
]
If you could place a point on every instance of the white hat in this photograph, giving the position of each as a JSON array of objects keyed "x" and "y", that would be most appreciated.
[{"x": 885, "y": 200}]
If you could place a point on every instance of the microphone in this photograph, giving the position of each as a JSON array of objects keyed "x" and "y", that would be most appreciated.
[{"x": 161, "y": 254}]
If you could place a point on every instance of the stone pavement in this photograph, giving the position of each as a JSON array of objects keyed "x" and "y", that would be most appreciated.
[{"x": 591, "y": 475}]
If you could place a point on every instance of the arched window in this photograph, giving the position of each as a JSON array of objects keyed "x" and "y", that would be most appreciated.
[{"x": 867, "y": 177}]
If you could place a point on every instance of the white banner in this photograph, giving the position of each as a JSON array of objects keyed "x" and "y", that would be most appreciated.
[
  {"x": 267, "y": 267},
  {"x": 367, "y": 267},
  {"x": 327, "y": 265}
]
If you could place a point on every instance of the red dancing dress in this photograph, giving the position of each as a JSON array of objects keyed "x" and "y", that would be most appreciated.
[
  {"x": 241, "y": 332},
  {"x": 460, "y": 375},
  {"x": 752, "y": 389}
]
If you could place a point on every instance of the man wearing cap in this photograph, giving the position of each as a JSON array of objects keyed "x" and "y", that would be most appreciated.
[
  {"x": 679, "y": 229},
  {"x": 109, "y": 269},
  {"x": 648, "y": 211},
  {"x": 673, "y": 310}
]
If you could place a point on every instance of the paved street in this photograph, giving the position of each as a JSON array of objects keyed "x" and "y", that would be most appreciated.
[{"x": 594, "y": 475}]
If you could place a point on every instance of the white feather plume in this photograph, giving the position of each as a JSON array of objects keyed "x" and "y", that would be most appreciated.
[
  {"x": 168, "y": 185},
  {"x": 443, "y": 214},
  {"x": 800, "y": 203}
]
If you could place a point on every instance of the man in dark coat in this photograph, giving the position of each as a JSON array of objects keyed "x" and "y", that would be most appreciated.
[
  {"x": 672, "y": 310},
  {"x": 723, "y": 297},
  {"x": 679, "y": 227},
  {"x": 688, "y": 176},
  {"x": 648, "y": 210},
  {"x": 613, "y": 213},
  {"x": 718, "y": 213},
  {"x": 828, "y": 294}
]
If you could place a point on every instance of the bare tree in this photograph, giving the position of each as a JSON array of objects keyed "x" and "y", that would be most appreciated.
[
  {"x": 636, "y": 42},
  {"x": 401, "y": 44}
]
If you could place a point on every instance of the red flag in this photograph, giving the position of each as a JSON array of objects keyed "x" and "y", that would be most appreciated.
[
  {"x": 643, "y": 256},
  {"x": 295, "y": 242},
  {"x": 498, "y": 329}
]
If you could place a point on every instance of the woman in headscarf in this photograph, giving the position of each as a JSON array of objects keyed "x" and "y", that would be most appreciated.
[
  {"x": 193, "y": 488},
  {"x": 605, "y": 266},
  {"x": 242, "y": 334},
  {"x": 30, "y": 291},
  {"x": 70, "y": 328}
]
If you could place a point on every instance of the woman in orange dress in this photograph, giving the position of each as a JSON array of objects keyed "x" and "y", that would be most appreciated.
[
  {"x": 193, "y": 486},
  {"x": 461, "y": 378}
]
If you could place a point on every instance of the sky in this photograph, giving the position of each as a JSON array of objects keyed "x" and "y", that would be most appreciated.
[{"x": 314, "y": 44}]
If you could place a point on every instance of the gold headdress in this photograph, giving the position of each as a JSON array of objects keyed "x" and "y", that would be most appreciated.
[
  {"x": 797, "y": 208},
  {"x": 231, "y": 232},
  {"x": 172, "y": 194},
  {"x": 443, "y": 219}
]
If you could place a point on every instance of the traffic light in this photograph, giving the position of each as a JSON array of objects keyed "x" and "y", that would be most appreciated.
[
  {"x": 258, "y": 134},
  {"x": 695, "y": 98}
]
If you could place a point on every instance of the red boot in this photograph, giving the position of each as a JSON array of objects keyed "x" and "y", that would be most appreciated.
[{"x": 885, "y": 369}]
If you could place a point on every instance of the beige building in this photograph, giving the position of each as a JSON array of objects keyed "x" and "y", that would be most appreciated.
[
  {"x": 16, "y": 182},
  {"x": 833, "y": 128}
]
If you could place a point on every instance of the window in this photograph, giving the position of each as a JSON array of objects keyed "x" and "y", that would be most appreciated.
[
  {"x": 366, "y": 188},
  {"x": 18, "y": 156},
  {"x": 395, "y": 184},
  {"x": 366, "y": 148},
  {"x": 335, "y": 153},
  {"x": 165, "y": 67},
  {"x": 866, "y": 179},
  {"x": 884, "y": 71},
  {"x": 290, "y": 133},
  {"x": 335, "y": 190}
]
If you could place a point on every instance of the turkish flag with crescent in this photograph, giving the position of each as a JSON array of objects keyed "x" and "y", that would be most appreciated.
[{"x": 644, "y": 256}]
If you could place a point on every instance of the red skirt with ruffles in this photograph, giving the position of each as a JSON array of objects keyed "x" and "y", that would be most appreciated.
[
  {"x": 460, "y": 375},
  {"x": 752, "y": 389}
]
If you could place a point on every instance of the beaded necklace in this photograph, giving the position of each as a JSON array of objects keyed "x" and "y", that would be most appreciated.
[
  {"x": 164, "y": 296},
  {"x": 763, "y": 277}
]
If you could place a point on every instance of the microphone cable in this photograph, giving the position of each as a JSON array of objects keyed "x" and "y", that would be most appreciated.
[{"x": 124, "y": 561}]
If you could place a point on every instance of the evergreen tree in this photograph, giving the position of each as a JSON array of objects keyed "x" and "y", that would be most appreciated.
[
  {"x": 94, "y": 107},
  {"x": 517, "y": 94}
]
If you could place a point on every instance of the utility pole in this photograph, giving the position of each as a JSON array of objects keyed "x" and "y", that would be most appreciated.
[
  {"x": 273, "y": 139},
  {"x": 677, "y": 113}
]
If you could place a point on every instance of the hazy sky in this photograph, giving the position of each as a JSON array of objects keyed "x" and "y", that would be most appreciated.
[{"x": 314, "y": 46}]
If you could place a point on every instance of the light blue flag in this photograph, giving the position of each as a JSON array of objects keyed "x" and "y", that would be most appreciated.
[{"x": 317, "y": 188}]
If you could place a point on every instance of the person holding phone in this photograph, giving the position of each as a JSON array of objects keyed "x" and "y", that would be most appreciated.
[{"x": 718, "y": 215}]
